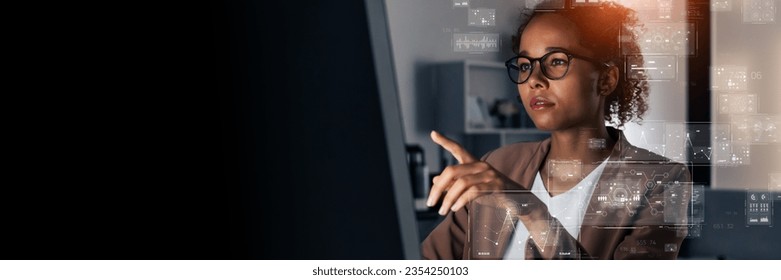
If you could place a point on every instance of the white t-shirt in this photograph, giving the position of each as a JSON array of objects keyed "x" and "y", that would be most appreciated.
[{"x": 569, "y": 208}]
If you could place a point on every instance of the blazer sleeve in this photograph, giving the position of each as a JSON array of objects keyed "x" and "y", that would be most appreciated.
[{"x": 447, "y": 241}]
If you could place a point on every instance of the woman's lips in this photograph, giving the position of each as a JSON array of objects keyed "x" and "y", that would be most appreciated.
[{"x": 539, "y": 103}]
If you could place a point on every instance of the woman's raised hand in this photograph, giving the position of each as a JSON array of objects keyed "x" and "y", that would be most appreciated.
[{"x": 465, "y": 181}]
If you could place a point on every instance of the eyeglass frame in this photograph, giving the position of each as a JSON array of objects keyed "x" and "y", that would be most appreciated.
[{"x": 508, "y": 64}]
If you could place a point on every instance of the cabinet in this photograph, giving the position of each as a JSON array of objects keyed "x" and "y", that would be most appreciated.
[{"x": 478, "y": 100}]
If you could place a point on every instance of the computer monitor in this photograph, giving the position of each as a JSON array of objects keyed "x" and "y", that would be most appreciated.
[{"x": 322, "y": 163}]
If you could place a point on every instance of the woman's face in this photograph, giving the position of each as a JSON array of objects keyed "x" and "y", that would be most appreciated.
[{"x": 572, "y": 101}]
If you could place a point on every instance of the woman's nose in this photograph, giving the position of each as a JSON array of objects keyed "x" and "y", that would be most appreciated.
[{"x": 536, "y": 78}]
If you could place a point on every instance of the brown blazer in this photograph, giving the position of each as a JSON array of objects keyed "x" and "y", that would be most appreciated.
[{"x": 638, "y": 210}]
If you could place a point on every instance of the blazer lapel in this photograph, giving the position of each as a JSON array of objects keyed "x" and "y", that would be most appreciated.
[
  {"x": 600, "y": 232},
  {"x": 535, "y": 162}
]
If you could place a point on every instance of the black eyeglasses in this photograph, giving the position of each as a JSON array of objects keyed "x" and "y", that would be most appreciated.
[{"x": 554, "y": 65}]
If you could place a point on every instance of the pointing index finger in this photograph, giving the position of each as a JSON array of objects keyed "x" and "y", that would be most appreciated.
[{"x": 453, "y": 147}]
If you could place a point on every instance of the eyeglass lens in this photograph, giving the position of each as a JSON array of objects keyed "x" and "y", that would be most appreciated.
[{"x": 554, "y": 66}]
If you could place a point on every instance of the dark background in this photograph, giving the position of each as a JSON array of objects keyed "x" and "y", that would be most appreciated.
[{"x": 196, "y": 130}]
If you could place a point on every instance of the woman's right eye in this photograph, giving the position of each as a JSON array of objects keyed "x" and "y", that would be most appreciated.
[{"x": 525, "y": 67}]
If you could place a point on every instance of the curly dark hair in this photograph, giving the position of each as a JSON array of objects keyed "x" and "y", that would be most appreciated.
[{"x": 609, "y": 30}]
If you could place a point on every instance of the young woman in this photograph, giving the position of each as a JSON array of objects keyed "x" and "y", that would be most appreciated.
[{"x": 583, "y": 193}]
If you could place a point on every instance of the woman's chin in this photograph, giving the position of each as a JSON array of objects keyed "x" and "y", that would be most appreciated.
[{"x": 544, "y": 125}]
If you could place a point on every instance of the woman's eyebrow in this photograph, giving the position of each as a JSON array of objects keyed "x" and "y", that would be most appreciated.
[{"x": 548, "y": 49}]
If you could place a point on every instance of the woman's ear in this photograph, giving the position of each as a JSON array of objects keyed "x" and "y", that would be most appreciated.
[{"x": 608, "y": 80}]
